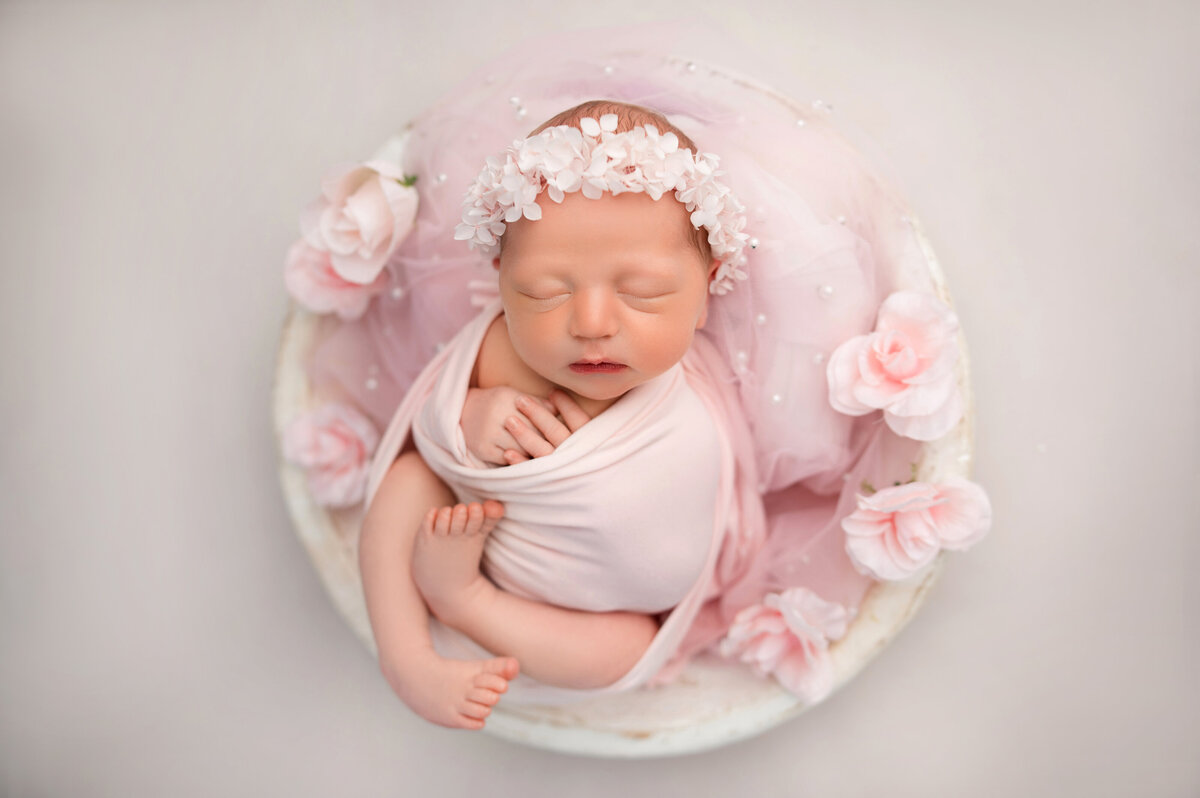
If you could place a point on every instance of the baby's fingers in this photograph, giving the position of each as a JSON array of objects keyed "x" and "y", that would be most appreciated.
[
  {"x": 574, "y": 415},
  {"x": 546, "y": 422},
  {"x": 529, "y": 440}
]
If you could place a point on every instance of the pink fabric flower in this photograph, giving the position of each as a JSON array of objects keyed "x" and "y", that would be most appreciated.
[
  {"x": 788, "y": 636},
  {"x": 364, "y": 213},
  {"x": 334, "y": 443},
  {"x": 311, "y": 280},
  {"x": 899, "y": 530},
  {"x": 905, "y": 367}
]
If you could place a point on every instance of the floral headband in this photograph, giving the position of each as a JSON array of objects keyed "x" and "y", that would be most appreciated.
[{"x": 592, "y": 159}]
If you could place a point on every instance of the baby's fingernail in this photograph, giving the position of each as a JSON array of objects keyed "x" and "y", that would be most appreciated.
[
  {"x": 511, "y": 422},
  {"x": 522, "y": 402}
]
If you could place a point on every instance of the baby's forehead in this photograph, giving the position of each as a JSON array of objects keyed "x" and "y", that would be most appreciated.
[{"x": 617, "y": 266}]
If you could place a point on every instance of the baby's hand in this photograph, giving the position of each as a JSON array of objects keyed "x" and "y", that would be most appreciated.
[
  {"x": 548, "y": 431},
  {"x": 503, "y": 426}
]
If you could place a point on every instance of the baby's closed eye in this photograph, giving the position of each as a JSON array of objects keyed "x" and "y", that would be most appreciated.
[{"x": 645, "y": 299}]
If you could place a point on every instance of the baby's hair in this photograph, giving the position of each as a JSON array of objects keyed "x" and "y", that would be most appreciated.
[{"x": 630, "y": 116}]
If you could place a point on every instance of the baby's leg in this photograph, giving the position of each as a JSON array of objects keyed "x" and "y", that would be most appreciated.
[
  {"x": 558, "y": 646},
  {"x": 448, "y": 692}
]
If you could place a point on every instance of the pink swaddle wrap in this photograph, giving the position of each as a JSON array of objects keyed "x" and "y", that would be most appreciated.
[{"x": 629, "y": 513}]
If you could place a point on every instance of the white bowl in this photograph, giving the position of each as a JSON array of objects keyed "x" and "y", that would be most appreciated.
[{"x": 713, "y": 702}]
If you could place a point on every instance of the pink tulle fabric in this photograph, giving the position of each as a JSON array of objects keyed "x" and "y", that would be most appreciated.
[{"x": 830, "y": 240}]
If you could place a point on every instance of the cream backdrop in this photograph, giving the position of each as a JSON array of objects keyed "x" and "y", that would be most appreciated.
[{"x": 161, "y": 630}]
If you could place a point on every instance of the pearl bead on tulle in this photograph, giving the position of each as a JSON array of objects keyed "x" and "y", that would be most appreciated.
[
  {"x": 825, "y": 291},
  {"x": 760, "y": 319},
  {"x": 753, "y": 243}
]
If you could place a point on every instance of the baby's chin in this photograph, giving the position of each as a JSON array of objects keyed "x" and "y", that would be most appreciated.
[{"x": 597, "y": 391}]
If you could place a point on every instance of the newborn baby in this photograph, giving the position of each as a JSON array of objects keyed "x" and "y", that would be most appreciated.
[{"x": 584, "y": 367}]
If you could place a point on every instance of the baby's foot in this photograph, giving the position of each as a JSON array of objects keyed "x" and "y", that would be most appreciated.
[
  {"x": 455, "y": 693},
  {"x": 446, "y": 556}
]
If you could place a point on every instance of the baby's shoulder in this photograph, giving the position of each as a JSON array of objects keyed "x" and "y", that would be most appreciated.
[{"x": 497, "y": 364}]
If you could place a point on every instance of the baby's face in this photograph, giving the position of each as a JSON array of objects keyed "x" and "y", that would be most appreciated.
[{"x": 602, "y": 295}]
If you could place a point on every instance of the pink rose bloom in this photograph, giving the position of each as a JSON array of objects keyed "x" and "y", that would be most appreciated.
[
  {"x": 897, "y": 531},
  {"x": 363, "y": 215},
  {"x": 905, "y": 368},
  {"x": 311, "y": 280},
  {"x": 788, "y": 636},
  {"x": 334, "y": 443}
]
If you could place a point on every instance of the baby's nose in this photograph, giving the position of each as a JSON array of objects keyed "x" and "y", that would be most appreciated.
[{"x": 593, "y": 315}]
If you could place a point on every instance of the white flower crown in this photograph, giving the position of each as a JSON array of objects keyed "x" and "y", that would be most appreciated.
[{"x": 594, "y": 158}]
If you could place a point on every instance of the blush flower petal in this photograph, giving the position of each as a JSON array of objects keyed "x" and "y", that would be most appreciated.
[
  {"x": 788, "y": 636},
  {"x": 904, "y": 368},
  {"x": 313, "y": 283},
  {"x": 334, "y": 444},
  {"x": 364, "y": 212},
  {"x": 897, "y": 531}
]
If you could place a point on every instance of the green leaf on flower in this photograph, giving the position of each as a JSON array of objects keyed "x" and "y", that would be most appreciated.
[
  {"x": 407, "y": 180},
  {"x": 867, "y": 487}
]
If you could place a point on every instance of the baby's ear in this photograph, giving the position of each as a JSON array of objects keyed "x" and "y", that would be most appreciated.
[{"x": 712, "y": 273}]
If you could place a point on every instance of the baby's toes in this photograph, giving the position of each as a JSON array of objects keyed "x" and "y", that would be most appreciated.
[
  {"x": 458, "y": 519},
  {"x": 469, "y": 723},
  {"x": 474, "y": 710},
  {"x": 441, "y": 525},
  {"x": 429, "y": 525},
  {"x": 505, "y": 667},
  {"x": 492, "y": 683},
  {"x": 474, "y": 518},
  {"x": 480, "y": 695},
  {"x": 492, "y": 513}
]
